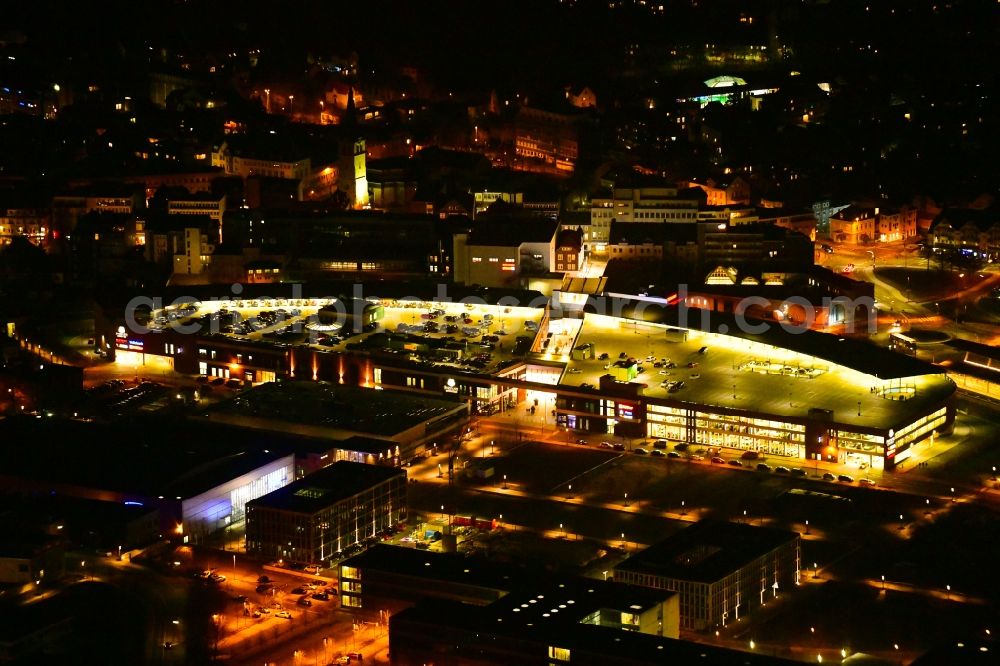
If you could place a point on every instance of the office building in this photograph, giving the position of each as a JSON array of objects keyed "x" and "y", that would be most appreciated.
[
  {"x": 324, "y": 513},
  {"x": 721, "y": 570}
]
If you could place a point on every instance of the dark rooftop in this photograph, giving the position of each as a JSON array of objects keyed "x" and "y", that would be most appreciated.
[
  {"x": 707, "y": 551},
  {"x": 162, "y": 458},
  {"x": 637, "y": 233},
  {"x": 450, "y": 567},
  {"x": 331, "y": 407},
  {"x": 509, "y": 233},
  {"x": 977, "y": 348},
  {"x": 327, "y": 486},
  {"x": 631, "y": 647},
  {"x": 983, "y": 219},
  {"x": 566, "y": 601}
]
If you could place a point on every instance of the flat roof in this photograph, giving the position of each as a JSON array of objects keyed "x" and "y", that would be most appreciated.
[
  {"x": 759, "y": 375},
  {"x": 153, "y": 457},
  {"x": 512, "y": 232},
  {"x": 450, "y": 567},
  {"x": 327, "y": 486},
  {"x": 529, "y": 592},
  {"x": 852, "y": 353},
  {"x": 707, "y": 551},
  {"x": 623, "y": 646},
  {"x": 567, "y": 601},
  {"x": 335, "y": 407},
  {"x": 988, "y": 351}
]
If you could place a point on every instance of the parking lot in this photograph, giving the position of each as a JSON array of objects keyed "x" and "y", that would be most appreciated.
[
  {"x": 732, "y": 372},
  {"x": 479, "y": 334}
]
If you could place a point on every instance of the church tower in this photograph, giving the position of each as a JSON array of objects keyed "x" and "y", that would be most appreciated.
[{"x": 352, "y": 169}]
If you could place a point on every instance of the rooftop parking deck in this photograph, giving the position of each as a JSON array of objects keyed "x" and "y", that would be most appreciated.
[
  {"x": 747, "y": 373},
  {"x": 295, "y": 322},
  {"x": 742, "y": 374}
]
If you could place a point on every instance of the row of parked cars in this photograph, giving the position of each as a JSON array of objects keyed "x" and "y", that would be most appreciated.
[{"x": 657, "y": 449}]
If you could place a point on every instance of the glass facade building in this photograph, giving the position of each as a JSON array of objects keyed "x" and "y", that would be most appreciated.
[{"x": 320, "y": 516}]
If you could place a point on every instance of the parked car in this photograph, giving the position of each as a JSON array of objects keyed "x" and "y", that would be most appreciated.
[
  {"x": 781, "y": 469},
  {"x": 298, "y": 590},
  {"x": 641, "y": 451},
  {"x": 867, "y": 482},
  {"x": 798, "y": 471},
  {"x": 846, "y": 478},
  {"x": 656, "y": 453},
  {"x": 763, "y": 467},
  {"x": 750, "y": 455},
  {"x": 606, "y": 445},
  {"x": 304, "y": 602},
  {"x": 322, "y": 596},
  {"x": 618, "y": 446},
  {"x": 283, "y": 613},
  {"x": 718, "y": 461},
  {"x": 735, "y": 463},
  {"x": 673, "y": 454},
  {"x": 827, "y": 476},
  {"x": 695, "y": 456}
]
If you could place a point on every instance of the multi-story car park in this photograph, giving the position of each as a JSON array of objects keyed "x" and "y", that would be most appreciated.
[{"x": 688, "y": 376}]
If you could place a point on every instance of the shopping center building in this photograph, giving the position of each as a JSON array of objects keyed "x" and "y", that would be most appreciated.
[{"x": 706, "y": 379}]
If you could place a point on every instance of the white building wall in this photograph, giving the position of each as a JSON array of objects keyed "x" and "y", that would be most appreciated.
[{"x": 208, "y": 511}]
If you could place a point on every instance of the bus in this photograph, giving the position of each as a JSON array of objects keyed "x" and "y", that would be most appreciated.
[{"x": 902, "y": 344}]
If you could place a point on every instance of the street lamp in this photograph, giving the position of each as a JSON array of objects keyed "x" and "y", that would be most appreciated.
[{"x": 626, "y": 499}]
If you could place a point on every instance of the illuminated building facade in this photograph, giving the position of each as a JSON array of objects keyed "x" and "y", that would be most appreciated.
[
  {"x": 319, "y": 516},
  {"x": 861, "y": 225},
  {"x": 805, "y": 397},
  {"x": 31, "y": 223},
  {"x": 499, "y": 253},
  {"x": 638, "y": 204},
  {"x": 721, "y": 570}
]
